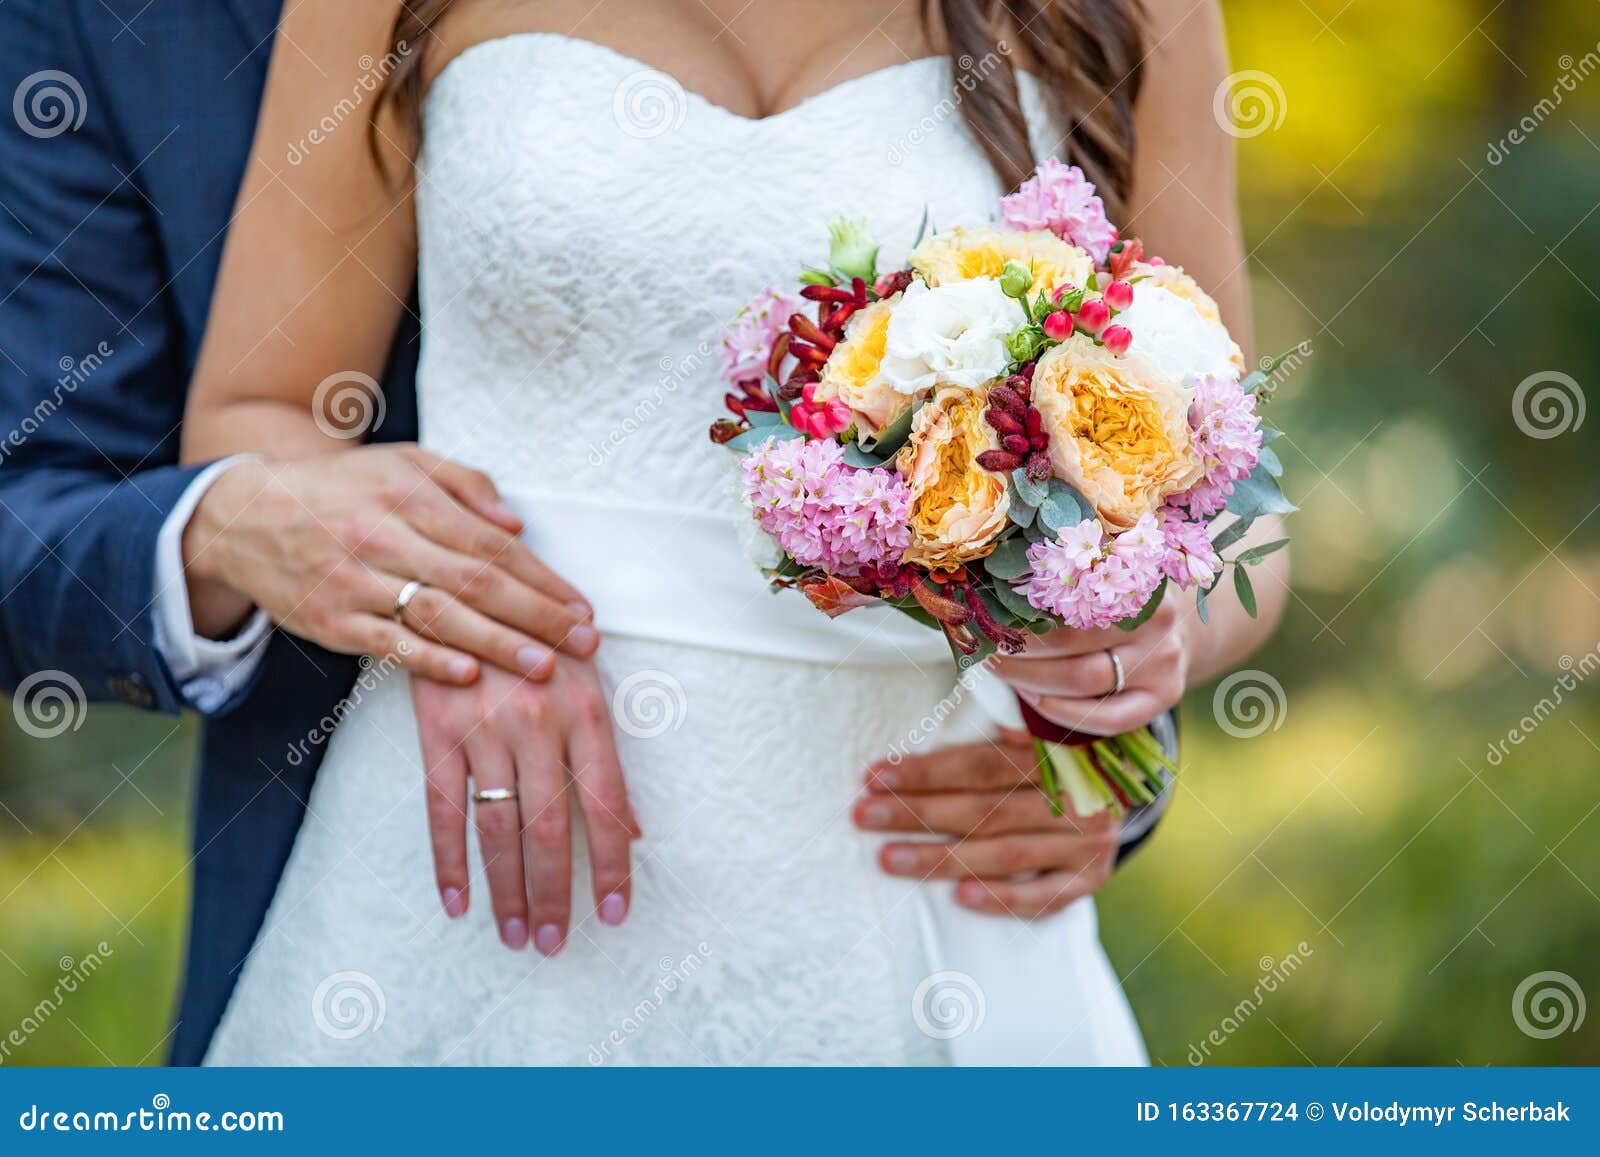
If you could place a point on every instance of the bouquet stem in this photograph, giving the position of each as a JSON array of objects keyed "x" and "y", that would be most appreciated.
[{"x": 1094, "y": 772}]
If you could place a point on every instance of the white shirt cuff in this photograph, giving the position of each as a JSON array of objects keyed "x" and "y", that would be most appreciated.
[{"x": 209, "y": 673}]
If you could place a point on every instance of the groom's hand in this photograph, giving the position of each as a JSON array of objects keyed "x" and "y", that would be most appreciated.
[
  {"x": 995, "y": 832},
  {"x": 326, "y": 545}
]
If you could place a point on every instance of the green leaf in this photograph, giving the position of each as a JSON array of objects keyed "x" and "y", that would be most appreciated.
[
  {"x": 750, "y": 439},
  {"x": 855, "y": 456},
  {"x": 1009, "y": 560},
  {"x": 1064, "y": 508},
  {"x": 1252, "y": 382},
  {"x": 922, "y": 229},
  {"x": 1235, "y": 531},
  {"x": 1259, "y": 494},
  {"x": 1024, "y": 488},
  {"x": 1269, "y": 433},
  {"x": 1021, "y": 513},
  {"x": 893, "y": 436},
  {"x": 1269, "y": 459},
  {"x": 1247, "y": 593},
  {"x": 1200, "y": 605},
  {"x": 1256, "y": 553},
  {"x": 1150, "y": 607},
  {"x": 759, "y": 418},
  {"x": 1025, "y": 612},
  {"x": 809, "y": 276}
]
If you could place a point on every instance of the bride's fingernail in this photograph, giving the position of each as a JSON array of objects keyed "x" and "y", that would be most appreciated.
[
  {"x": 547, "y": 939},
  {"x": 875, "y": 815},
  {"x": 613, "y": 908},
  {"x": 455, "y": 904},
  {"x": 883, "y": 779},
  {"x": 461, "y": 669},
  {"x": 532, "y": 659},
  {"x": 900, "y": 860},
  {"x": 583, "y": 610},
  {"x": 514, "y": 932},
  {"x": 585, "y": 637}
]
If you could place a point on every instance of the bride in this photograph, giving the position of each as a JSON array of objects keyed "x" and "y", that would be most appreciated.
[{"x": 589, "y": 190}]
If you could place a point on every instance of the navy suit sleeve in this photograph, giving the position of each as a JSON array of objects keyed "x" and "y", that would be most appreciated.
[{"x": 92, "y": 377}]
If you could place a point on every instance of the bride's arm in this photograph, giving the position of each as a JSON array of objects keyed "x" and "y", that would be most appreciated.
[
  {"x": 1184, "y": 206},
  {"x": 321, "y": 253}
]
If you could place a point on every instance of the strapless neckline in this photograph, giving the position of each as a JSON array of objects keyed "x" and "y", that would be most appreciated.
[{"x": 617, "y": 58}]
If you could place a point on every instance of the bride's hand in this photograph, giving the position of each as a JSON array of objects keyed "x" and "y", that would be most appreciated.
[
  {"x": 1068, "y": 676},
  {"x": 505, "y": 732}
]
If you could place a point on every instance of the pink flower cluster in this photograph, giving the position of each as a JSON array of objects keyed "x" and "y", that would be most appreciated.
[
  {"x": 1091, "y": 581},
  {"x": 1059, "y": 198},
  {"x": 1190, "y": 559},
  {"x": 1227, "y": 436},
  {"x": 748, "y": 339},
  {"x": 823, "y": 513}
]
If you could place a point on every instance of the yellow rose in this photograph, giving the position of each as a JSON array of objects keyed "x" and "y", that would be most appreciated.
[
  {"x": 963, "y": 254},
  {"x": 1119, "y": 428},
  {"x": 851, "y": 373},
  {"x": 958, "y": 508}
]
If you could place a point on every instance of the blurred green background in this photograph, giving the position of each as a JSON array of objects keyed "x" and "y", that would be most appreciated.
[{"x": 1362, "y": 847}]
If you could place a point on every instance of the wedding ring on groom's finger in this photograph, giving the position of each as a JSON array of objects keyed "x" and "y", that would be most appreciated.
[
  {"x": 403, "y": 599},
  {"x": 494, "y": 794},
  {"x": 1119, "y": 676}
]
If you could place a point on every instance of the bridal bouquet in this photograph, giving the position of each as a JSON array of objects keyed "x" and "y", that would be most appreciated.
[{"x": 1032, "y": 425}]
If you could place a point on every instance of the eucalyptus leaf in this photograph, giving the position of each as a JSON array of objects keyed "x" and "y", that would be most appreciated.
[
  {"x": 1269, "y": 433},
  {"x": 1259, "y": 494},
  {"x": 1150, "y": 607},
  {"x": 1200, "y": 605},
  {"x": 759, "y": 418},
  {"x": 1025, "y": 613},
  {"x": 1021, "y": 513},
  {"x": 750, "y": 439},
  {"x": 1269, "y": 459},
  {"x": 1029, "y": 491},
  {"x": 1064, "y": 508},
  {"x": 855, "y": 456},
  {"x": 893, "y": 436},
  {"x": 1247, "y": 593},
  {"x": 1252, "y": 382},
  {"x": 923, "y": 228},
  {"x": 1009, "y": 560}
]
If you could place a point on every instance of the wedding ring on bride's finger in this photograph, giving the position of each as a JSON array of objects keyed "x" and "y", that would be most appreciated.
[
  {"x": 494, "y": 794},
  {"x": 403, "y": 599},
  {"x": 1119, "y": 676}
]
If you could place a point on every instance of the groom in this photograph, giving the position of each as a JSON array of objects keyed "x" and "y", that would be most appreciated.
[{"x": 129, "y": 130}]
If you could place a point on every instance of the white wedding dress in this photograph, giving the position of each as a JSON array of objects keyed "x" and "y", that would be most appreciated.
[{"x": 586, "y": 228}]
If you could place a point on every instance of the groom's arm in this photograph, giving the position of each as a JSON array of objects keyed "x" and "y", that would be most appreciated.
[{"x": 91, "y": 385}]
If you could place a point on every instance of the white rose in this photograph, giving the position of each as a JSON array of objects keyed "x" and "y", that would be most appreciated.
[
  {"x": 953, "y": 335},
  {"x": 1173, "y": 333}
]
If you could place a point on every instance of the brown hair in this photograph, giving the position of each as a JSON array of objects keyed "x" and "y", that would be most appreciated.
[{"x": 1086, "y": 52}]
